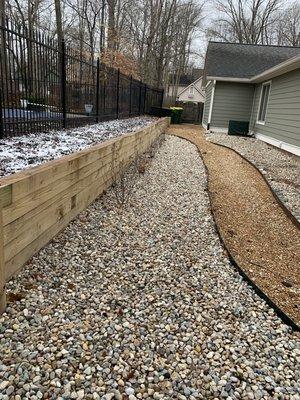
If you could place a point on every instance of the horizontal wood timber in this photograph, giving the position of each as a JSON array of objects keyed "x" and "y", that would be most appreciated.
[{"x": 39, "y": 202}]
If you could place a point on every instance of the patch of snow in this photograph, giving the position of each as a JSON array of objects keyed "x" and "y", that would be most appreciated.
[{"x": 21, "y": 152}]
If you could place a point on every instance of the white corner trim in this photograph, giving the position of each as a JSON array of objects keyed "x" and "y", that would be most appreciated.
[
  {"x": 211, "y": 102},
  {"x": 204, "y": 125},
  {"x": 217, "y": 129},
  {"x": 252, "y": 108},
  {"x": 291, "y": 148},
  {"x": 260, "y": 99}
]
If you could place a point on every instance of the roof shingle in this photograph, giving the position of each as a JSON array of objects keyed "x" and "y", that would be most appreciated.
[{"x": 238, "y": 60}]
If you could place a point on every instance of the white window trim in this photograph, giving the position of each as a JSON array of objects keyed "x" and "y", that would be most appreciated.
[
  {"x": 211, "y": 103},
  {"x": 258, "y": 110}
]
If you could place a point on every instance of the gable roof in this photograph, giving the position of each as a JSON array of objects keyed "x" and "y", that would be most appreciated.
[
  {"x": 290, "y": 65},
  {"x": 192, "y": 84},
  {"x": 243, "y": 61},
  {"x": 187, "y": 79}
]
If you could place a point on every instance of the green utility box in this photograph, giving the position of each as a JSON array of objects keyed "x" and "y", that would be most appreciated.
[
  {"x": 240, "y": 128},
  {"x": 176, "y": 115}
]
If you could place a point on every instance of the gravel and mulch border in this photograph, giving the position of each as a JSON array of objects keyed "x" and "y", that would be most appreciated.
[
  {"x": 141, "y": 302},
  {"x": 280, "y": 168},
  {"x": 259, "y": 233},
  {"x": 22, "y": 152}
]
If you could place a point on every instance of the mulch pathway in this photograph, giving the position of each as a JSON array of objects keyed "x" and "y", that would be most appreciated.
[{"x": 259, "y": 235}]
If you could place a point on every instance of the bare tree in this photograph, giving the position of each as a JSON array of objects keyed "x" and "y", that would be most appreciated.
[
  {"x": 155, "y": 36},
  {"x": 244, "y": 21},
  {"x": 161, "y": 32},
  {"x": 287, "y": 26},
  {"x": 2, "y": 9},
  {"x": 59, "y": 26}
]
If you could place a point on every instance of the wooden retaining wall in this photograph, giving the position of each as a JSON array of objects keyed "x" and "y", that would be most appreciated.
[{"x": 39, "y": 202}]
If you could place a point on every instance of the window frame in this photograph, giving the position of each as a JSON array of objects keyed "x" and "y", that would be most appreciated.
[
  {"x": 258, "y": 121},
  {"x": 191, "y": 90}
]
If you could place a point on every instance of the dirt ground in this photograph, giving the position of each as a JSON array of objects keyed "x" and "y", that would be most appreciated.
[{"x": 255, "y": 229}]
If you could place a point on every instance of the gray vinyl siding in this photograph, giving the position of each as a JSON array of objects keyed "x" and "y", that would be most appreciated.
[
  {"x": 208, "y": 93},
  {"x": 283, "y": 111},
  {"x": 232, "y": 101}
]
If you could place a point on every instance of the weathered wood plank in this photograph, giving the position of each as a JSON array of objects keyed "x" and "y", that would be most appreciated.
[
  {"x": 24, "y": 205},
  {"x": 86, "y": 197},
  {"x": 18, "y": 226},
  {"x": 36, "y": 177},
  {"x": 41, "y": 220},
  {"x": 46, "y": 174},
  {"x": 44, "y": 200},
  {"x": 6, "y": 195},
  {"x": 2, "y": 266}
]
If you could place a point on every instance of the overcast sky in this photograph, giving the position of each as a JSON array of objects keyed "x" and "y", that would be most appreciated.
[
  {"x": 200, "y": 42},
  {"x": 209, "y": 14}
]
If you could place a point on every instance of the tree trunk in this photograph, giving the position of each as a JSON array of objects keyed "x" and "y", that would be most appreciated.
[
  {"x": 111, "y": 38},
  {"x": 59, "y": 27}
]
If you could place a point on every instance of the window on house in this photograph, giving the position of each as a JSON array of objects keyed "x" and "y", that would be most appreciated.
[
  {"x": 263, "y": 104},
  {"x": 192, "y": 90}
]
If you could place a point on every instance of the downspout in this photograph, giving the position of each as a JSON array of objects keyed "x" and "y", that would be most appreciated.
[
  {"x": 252, "y": 120},
  {"x": 211, "y": 105}
]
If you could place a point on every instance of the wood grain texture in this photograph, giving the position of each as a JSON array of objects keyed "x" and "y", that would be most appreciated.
[
  {"x": 2, "y": 266},
  {"x": 6, "y": 195},
  {"x": 39, "y": 202}
]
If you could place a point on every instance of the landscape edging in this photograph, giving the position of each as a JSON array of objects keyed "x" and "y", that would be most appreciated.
[
  {"x": 281, "y": 314},
  {"x": 281, "y": 204}
]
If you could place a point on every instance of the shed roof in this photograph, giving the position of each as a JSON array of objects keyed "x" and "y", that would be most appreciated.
[{"x": 236, "y": 60}]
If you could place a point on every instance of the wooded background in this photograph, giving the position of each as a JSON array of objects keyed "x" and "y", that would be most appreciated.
[{"x": 155, "y": 39}]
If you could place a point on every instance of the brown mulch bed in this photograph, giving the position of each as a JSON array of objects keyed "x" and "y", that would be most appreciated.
[{"x": 259, "y": 235}]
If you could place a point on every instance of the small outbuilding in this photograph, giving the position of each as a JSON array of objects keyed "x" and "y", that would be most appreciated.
[
  {"x": 192, "y": 93},
  {"x": 256, "y": 85}
]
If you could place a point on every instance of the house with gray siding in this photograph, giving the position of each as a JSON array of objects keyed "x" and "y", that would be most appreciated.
[{"x": 257, "y": 85}]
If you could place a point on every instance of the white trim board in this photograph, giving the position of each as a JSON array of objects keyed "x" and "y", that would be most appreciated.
[
  {"x": 279, "y": 69},
  {"x": 204, "y": 125},
  {"x": 268, "y": 83},
  {"x": 216, "y": 129},
  {"x": 228, "y": 79},
  {"x": 278, "y": 143},
  {"x": 211, "y": 103}
]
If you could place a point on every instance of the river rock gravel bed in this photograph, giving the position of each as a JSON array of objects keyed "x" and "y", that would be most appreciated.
[
  {"x": 21, "y": 152},
  {"x": 141, "y": 302},
  {"x": 281, "y": 169}
]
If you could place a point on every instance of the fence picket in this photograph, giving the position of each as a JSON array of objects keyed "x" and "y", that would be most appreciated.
[
  {"x": 63, "y": 83},
  {"x": 46, "y": 85}
]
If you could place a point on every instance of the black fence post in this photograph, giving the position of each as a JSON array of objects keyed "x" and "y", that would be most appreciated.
[
  {"x": 140, "y": 98},
  {"x": 2, "y": 39},
  {"x": 1, "y": 118},
  {"x": 130, "y": 97},
  {"x": 162, "y": 98},
  {"x": 63, "y": 91},
  {"x": 97, "y": 89},
  {"x": 145, "y": 98},
  {"x": 1, "y": 108},
  {"x": 118, "y": 93},
  {"x": 63, "y": 82}
]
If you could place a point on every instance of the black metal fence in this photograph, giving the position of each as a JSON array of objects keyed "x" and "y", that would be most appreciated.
[{"x": 45, "y": 85}]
